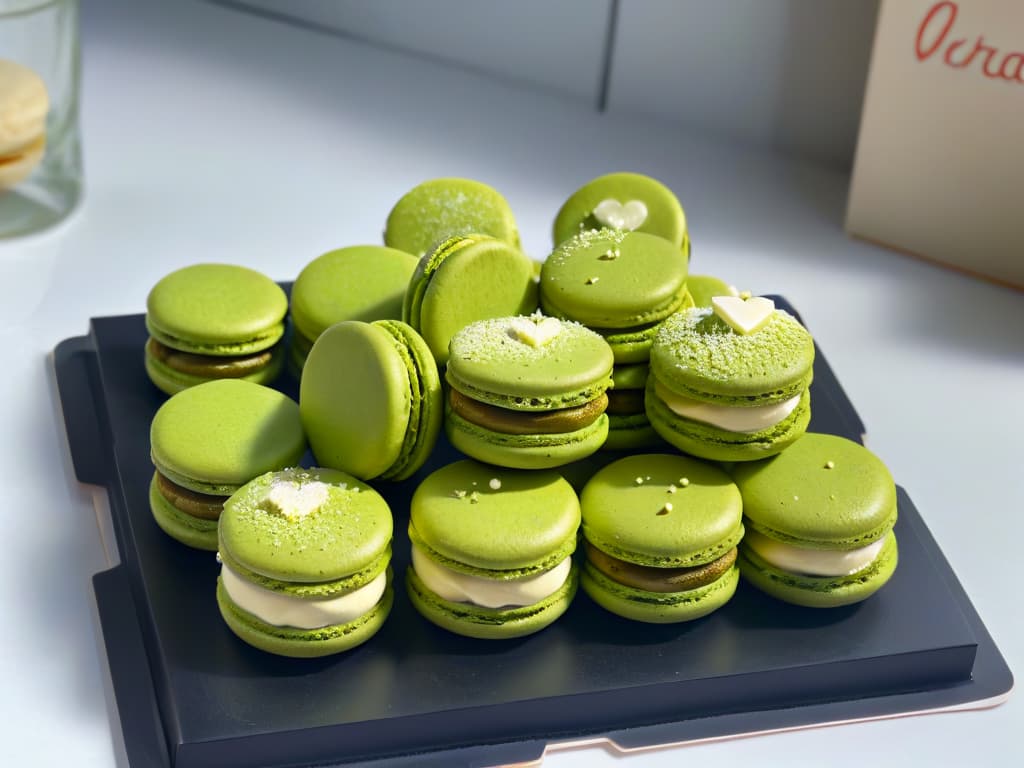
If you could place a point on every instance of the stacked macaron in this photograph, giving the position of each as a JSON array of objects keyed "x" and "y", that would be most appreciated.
[
  {"x": 361, "y": 282},
  {"x": 214, "y": 321},
  {"x": 491, "y": 549},
  {"x": 24, "y": 104},
  {"x": 527, "y": 392},
  {"x": 305, "y": 557},
  {"x": 209, "y": 440},
  {"x": 730, "y": 383},
  {"x": 622, "y": 285}
]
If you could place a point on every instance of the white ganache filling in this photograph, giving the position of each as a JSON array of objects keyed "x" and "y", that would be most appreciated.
[
  {"x": 282, "y": 610},
  {"x": 488, "y": 593},
  {"x": 812, "y": 562},
  {"x": 733, "y": 418}
]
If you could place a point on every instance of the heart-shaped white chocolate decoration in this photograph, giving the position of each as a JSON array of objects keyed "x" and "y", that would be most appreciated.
[
  {"x": 535, "y": 331},
  {"x": 628, "y": 216},
  {"x": 294, "y": 500},
  {"x": 743, "y": 315}
]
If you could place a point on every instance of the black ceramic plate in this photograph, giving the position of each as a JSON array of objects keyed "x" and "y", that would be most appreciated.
[{"x": 191, "y": 695}]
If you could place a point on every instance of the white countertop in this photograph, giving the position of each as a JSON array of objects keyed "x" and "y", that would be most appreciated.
[{"x": 212, "y": 135}]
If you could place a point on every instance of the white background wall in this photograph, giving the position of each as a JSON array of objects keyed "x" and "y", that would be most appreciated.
[{"x": 786, "y": 74}]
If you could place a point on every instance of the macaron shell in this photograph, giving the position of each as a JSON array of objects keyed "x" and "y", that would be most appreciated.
[
  {"x": 24, "y": 103},
  {"x": 632, "y": 433},
  {"x": 665, "y": 216},
  {"x": 709, "y": 442},
  {"x": 658, "y": 607},
  {"x": 490, "y": 623},
  {"x": 484, "y": 278},
  {"x": 355, "y": 399},
  {"x": 344, "y": 536},
  {"x": 216, "y": 436},
  {"x": 525, "y": 451},
  {"x": 613, "y": 279},
  {"x": 172, "y": 381},
  {"x": 216, "y": 309},
  {"x": 698, "y": 355},
  {"x": 302, "y": 643},
  {"x": 703, "y": 287},
  {"x": 361, "y": 282},
  {"x": 494, "y": 518},
  {"x": 439, "y": 208},
  {"x": 821, "y": 592},
  {"x": 189, "y": 530},
  {"x": 638, "y": 509},
  {"x": 490, "y": 364},
  {"x": 798, "y": 497},
  {"x": 426, "y": 399}
]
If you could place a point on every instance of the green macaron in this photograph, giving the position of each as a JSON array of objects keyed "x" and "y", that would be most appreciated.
[
  {"x": 209, "y": 440},
  {"x": 626, "y": 201},
  {"x": 466, "y": 278},
  {"x": 727, "y": 395},
  {"x": 619, "y": 283},
  {"x": 661, "y": 533},
  {"x": 628, "y": 426},
  {"x": 491, "y": 549},
  {"x": 305, "y": 559},
  {"x": 703, "y": 287},
  {"x": 370, "y": 399},
  {"x": 213, "y": 321},
  {"x": 819, "y": 520},
  {"x": 439, "y": 208},
  {"x": 527, "y": 392},
  {"x": 361, "y": 282}
]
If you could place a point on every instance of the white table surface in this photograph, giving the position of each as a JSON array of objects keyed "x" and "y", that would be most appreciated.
[{"x": 211, "y": 135}]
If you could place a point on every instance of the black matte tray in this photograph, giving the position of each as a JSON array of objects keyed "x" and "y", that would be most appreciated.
[{"x": 190, "y": 695}]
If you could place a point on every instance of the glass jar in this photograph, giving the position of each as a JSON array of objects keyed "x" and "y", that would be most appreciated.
[{"x": 40, "y": 154}]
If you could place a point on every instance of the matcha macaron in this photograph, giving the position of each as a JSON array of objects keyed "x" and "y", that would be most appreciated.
[
  {"x": 819, "y": 520},
  {"x": 527, "y": 392},
  {"x": 24, "y": 104},
  {"x": 209, "y": 440},
  {"x": 730, "y": 383},
  {"x": 464, "y": 278},
  {"x": 624, "y": 201},
  {"x": 703, "y": 288},
  {"x": 661, "y": 534},
  {"x": 628, "y": 426},
  {"x": 491, "y": 549},
  {"x": 214, "y": 321},
  {"x": 439, "y": 208},
  {"x": 305, "y": 559},
  {"x": 361, "y": 282},
  {"x": 370, "y": 399}
]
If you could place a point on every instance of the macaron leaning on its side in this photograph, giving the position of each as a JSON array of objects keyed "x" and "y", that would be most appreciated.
[
  {"x": 208, "y": 441},
  {"x": 731, "y": 383},
  {"x": 24, "y": 104},
  {"x": 214, "y": 321},
  {"x": 305, "y": 559},
  {"x": 361, "y": 282},
  {"x": 440, "y": 208},
  {"x": 527, "y": 392},
  {"x": 465, "y": 278},
  {"x": 370, "y": 399},
  {"x": 819, "y": 520},
  {"x": 491, "y": 549},
  {"x": 661, "y": 534}
]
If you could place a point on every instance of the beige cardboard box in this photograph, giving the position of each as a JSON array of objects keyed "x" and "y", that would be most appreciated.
[{"x": 939, "y": 168}]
